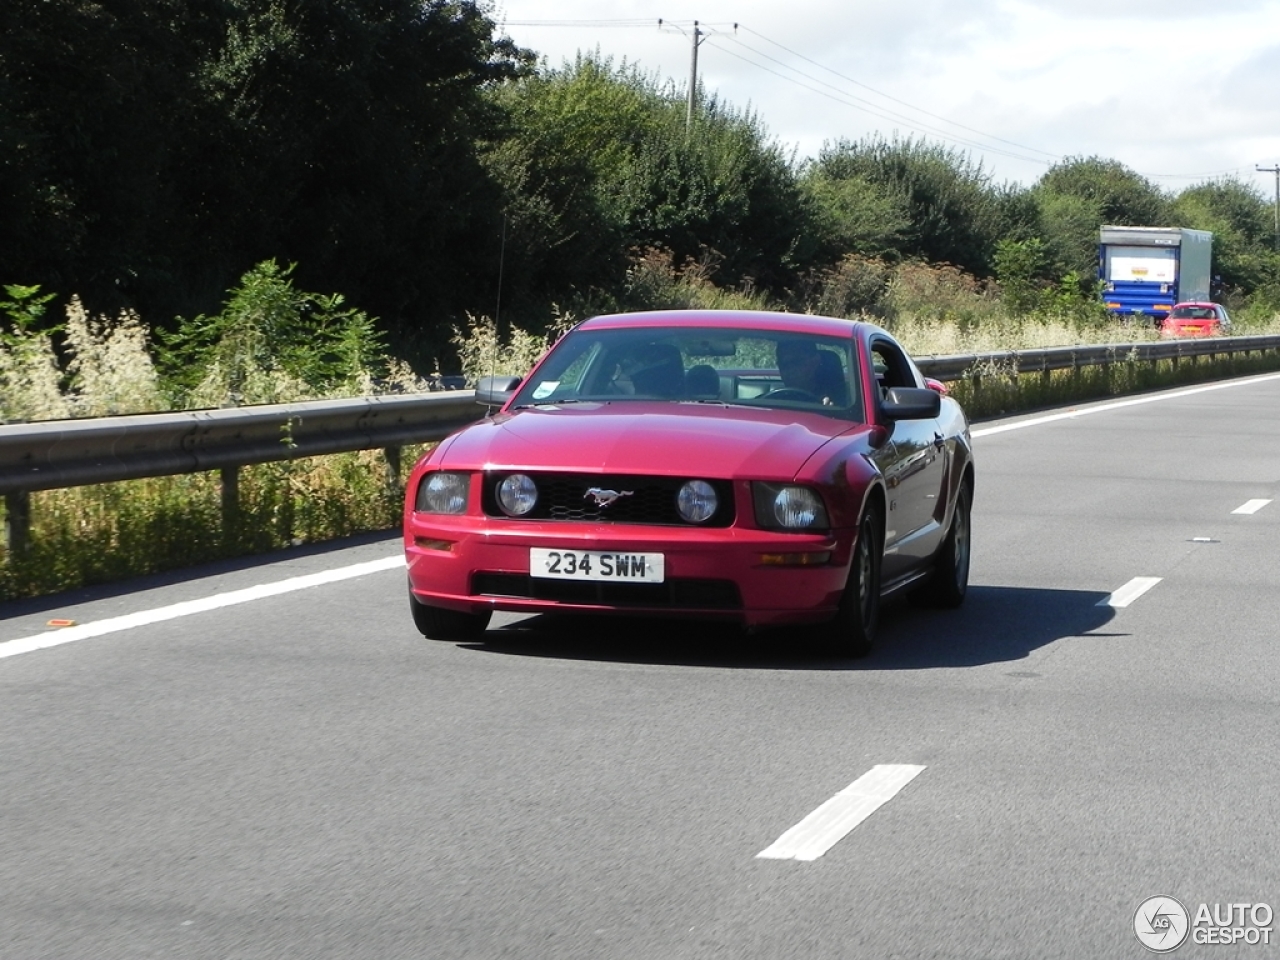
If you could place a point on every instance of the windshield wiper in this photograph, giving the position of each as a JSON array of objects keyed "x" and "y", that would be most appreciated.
[{"x": 556, "y": 403}]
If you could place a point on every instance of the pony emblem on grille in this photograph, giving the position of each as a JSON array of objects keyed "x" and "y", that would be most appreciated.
[{"x": 603, "y": 498}]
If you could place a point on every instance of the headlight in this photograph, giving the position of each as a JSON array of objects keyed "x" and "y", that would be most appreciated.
[
  {"x": 517, "y": 495},
  {"x": 697, "y": 501},
  {"x": 443, "y": 493},
  {"x": 789, "y": 507}
]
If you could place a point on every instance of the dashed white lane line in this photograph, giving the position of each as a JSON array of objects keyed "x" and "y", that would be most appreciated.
[
  {"x": 825, "y": 827},
  {"x": 1253, "y": 506},
  {"x": 186, "y": 608},
  {"x": 1130, "y": 592},
  {"x": 1116, "y": 405}
]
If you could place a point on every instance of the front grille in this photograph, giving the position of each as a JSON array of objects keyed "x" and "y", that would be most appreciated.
[
  {"x": 650, "y": 500},
  {"x": 677, "y": 594}
]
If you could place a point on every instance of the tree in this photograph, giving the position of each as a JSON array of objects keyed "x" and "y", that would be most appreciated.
[
  {"x": 599, "y": 163},
  {"x": 953, "y": 213},
  {"x": 1119, "y": 195},
  {"x": 162, "y": 147},
  {"x": 1242, "y": 224},
  {"x": 1020, "y": 266},
  {"x": 569, "y": 131},
  {"x": 854, "y": 215},
  {"x": 95, "y": 104},
  {"x": 1069, "y": 226}
]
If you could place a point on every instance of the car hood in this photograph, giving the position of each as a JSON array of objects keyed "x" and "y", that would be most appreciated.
[{"x": 646, "y": 438}]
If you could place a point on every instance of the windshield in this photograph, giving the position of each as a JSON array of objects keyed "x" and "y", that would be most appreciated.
[
  {"x": 695, "y": 365},
  {"x": 1193, "y": 313}
]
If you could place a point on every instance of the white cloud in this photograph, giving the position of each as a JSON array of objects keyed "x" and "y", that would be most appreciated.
[{"x": 1167, "y": 87}]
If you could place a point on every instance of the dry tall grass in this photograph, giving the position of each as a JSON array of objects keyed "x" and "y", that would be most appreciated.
[{"x": 87, "y": 535}]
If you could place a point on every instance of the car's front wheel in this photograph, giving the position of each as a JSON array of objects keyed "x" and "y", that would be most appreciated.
[
  {"x": 437, "y": 623},
  {"x": 853, "y": 631}
]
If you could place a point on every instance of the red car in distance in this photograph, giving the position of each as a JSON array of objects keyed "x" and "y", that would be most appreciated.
[
  {"x": 753, "y": 467},
  {"x": 1196, "y": 319}
]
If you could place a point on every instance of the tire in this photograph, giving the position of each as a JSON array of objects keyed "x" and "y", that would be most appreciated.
[
  {"x": 437, "y": 623},
  {"x": 853, "y": 631},
  {"x": 950, "y": 580}
]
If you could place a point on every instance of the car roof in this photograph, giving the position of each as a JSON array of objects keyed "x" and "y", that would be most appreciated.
[
  {"x": 1195, "y": 303},
  {"x": 763, "y": 320}
]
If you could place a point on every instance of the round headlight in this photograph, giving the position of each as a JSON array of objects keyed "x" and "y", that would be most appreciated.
[
  {"x": 444, "y": 493},
  {"x": 697, "y": 501},
  {"x": 517, "y": 495},
  {"x": 798, "y": 507}
]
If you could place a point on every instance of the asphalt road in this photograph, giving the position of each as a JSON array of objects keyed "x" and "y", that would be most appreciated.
[{"x": 292, "y": 772}]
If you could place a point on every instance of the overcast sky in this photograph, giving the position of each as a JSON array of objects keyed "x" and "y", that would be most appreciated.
[{"x": 1180, "y": 91}]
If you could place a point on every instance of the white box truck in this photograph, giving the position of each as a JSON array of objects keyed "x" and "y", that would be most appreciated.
[{"x": 1146, "y": 270}]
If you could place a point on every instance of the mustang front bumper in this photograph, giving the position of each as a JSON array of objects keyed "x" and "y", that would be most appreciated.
[{"x": 755, "y": 577}]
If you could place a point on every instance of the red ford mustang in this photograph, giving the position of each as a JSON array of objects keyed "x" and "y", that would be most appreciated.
[{"x": 762, "y": 468}]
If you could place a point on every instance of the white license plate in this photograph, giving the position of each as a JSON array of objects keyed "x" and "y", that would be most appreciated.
[{"x": 596, "y": 565}]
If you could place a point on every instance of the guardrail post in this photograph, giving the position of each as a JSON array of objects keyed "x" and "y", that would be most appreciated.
[
  {"x": 392, "y": 456},
  {"x": 394, "y": 492},
  {"x": 17, "y": 522},
  {"x": 230, "y": 504}
]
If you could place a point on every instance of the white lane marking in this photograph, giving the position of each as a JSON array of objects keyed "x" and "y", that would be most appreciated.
[
  {"x": 1116, "y": 405},
  {"x": 187, "y": 607},
  {"x": 825, "y": 827},
  {"x": 1130, "y": 592},
  {"x": 1253, "y": 506}
]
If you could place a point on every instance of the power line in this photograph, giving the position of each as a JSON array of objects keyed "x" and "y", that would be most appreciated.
[
  {"x": 909, "y": 106},
  {"x": 701, "y": 33},
  {"x": 624, "y": 24},
  {"x": 858, "y": 103}
]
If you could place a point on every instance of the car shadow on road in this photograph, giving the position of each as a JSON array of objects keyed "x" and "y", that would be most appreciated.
[{"x": 995, "y": 625}]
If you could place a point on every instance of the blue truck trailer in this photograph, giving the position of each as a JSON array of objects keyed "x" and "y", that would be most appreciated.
[{"x": 1146, "y": 270}]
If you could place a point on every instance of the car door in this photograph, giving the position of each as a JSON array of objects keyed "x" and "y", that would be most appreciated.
[{"x": 913, "y": 463}]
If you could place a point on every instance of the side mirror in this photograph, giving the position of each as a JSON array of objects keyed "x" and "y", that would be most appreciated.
[
  {"x": 911, "y": 403},
  {"x": 495, "y": 391}
]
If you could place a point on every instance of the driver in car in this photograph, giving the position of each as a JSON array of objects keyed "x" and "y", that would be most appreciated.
[
  {"x": 814, "y": 374},
  {"x": 799, "y": 363}
]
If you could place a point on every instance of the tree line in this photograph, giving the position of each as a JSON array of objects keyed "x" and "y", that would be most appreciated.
[{"x": 407, "y": 155}]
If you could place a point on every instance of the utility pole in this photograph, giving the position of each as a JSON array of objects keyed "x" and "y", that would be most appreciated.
[
  {"x": 1276, "y": 171},
  {"x": 699, "y": 35},
  {"x": 693, "y": 78}
]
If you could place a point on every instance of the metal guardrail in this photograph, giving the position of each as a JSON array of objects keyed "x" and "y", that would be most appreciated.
[
  {"x": 961, "y": 366},
  {"x": 55, "y": 454},
  {"x": 52, "y": 455}
]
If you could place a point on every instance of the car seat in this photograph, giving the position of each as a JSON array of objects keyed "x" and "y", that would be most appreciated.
[
  {"x": 657, "y": 370},
  {"x": 702, "y": 382},
  {"x": 831, "y": 379}
]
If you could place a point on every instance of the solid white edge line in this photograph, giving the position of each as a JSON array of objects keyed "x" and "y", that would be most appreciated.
[
  {"x": 1130, "y": 592},
  {"x": 1253, "y": 506},
  {"x": 57, "y": 637},
  {"x": 826, "y": 826},
  {"x": 1116, "y": 405}
]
